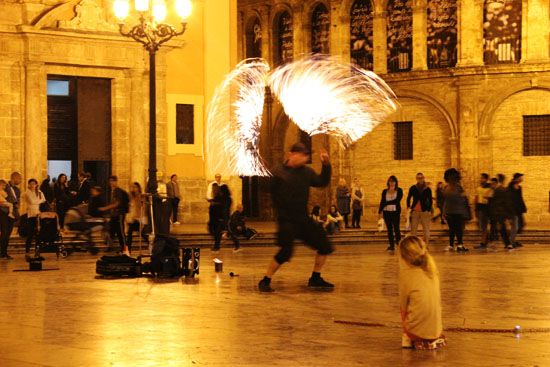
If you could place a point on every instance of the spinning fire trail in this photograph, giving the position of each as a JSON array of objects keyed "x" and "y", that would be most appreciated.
[{"x": 319, "y": 94}]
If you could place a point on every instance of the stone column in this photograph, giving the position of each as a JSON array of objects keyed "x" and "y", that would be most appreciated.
[
  {"x": 536, "y": 23},
  {"x": 265, "y": 21},
  {"x": 298, "y": 30},
  {"x": 420, "y": 37},
  {"x": 380, "y": 42},
  {"x": 339, "y": 30},
  {"x": 468, "y": 126},
  {"x": 36, "y": 122},
  {"x": 138, "y": 126},
  {"x": 470, "y": 33}
]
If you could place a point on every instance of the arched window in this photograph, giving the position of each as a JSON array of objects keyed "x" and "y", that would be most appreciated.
[
  {"x": 502, "y": 31},
  {"x": 361, "y": 39},
  {"x": 320, "y": 30},
  {"x": 442, "y": 33},
  {"x": 399, "y": 23},
  {"x": 283, "y": 36},
  {"x": 254, "y": 38}
]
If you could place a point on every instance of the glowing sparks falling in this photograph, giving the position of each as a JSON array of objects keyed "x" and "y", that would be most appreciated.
[
  {"x": 235, "y": 119},
  {"x": 323, "y": 96}
]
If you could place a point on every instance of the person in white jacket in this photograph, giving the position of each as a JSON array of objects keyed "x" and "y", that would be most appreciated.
[{"x": 32, "y": 198}]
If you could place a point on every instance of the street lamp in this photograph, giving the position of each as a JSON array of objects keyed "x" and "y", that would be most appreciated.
[{"x": 151, "y": 32}]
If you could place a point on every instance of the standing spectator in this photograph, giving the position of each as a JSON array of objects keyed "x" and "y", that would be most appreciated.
[
  {"x": 357, "y": 196},
  {"x": 334, "y": 221},
  {"x": 118, "y": 208},
  {"x": 32, "y": 198},
  {"x": 502, "y": 210},
  {"x": 421, "y": 206},
  {"x": 519, "y": 208},
  {"x": 136, "y": 217},
  {"x": 5, "y": 205},
  {"x": 217, "y": 181},
  {"x": 483, "y": 194},
  {"x": 455, "y": 208},
  {"x": 390, "y": 210},
  {"x": 216, "y": 216},
  {"x": 343, "y": 200},
  {"x": 62, "y": 198},
  {"x": 47, "y": 190},
  {"x": 173, "y": 192},
  {"x": 6, "y": 222},
  {"x": 493, "y": 227},
  {"x": 84, "y": 187},
  {"x": 439, "y": 199}
]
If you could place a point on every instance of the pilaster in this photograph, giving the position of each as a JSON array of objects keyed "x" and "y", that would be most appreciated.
[
  {"x": 470, "y": 33},
  {"x": 36, "y": 121},
  {"x": 380, "y": 42},
  {"x": 138, "y": 126},
  {"x": 420, "y": 37}
]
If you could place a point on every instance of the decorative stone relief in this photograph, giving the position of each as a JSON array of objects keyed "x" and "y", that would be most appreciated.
[{"x": 89, "y": 17}]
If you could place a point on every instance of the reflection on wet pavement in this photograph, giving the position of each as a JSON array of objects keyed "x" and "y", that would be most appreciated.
[{"x": 69, "y": 318}]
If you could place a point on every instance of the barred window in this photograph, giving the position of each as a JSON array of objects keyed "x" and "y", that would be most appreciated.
[
  {"x": 403, "y": 140},
  {"x": 536, "y": 135},
  {"x": 185, "y": 124}
]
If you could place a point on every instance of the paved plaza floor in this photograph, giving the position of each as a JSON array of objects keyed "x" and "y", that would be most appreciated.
[{"x": 68, "y": 317}]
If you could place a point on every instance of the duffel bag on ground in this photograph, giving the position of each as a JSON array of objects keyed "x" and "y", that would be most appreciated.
[{"x": 119, "y": 265}]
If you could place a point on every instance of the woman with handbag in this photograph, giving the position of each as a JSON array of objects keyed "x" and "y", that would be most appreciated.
[
  {"x": 390, "y": 210},
  {"x": 62, "y": 198},
  {"x": 456, "y": 209}
]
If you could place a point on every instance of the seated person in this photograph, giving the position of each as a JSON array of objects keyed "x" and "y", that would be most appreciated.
[
  {"x": 237, "y": 224},
  {"x": 420, "y": 296},
  {"x": 316, "y": 216},
  {"x": 335, "y": 220}
]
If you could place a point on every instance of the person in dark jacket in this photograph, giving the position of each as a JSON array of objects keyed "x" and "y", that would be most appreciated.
[
  {"x": 84, "y": 187},
  {"x": 47, "y": 190},
  {"x": 62, "y": 198},
  {"x": 6, "y": 221},
  {"x": 439, "y": 199},
  {"x": 390, "y": 210},
  {"x": 455, "y": 208},
  {"x": 290, "y": 192},
  {"x": 484, "y": 192},
  {"x": 216, "y": 215},
  {"x": 519, "y": 208},
  {"x": 343, "y": 200},
  {"x": 237, "y": 228},
  {"x": 118, "y": 208},
  {"x": 502, "y": 210},
  {"x": 420, "y": 203},
  {"x": 96, "y": 202}
]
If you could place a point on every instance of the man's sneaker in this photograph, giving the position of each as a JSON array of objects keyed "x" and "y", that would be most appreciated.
[
  {"x": 254, "y": 235},
  {"x": 509, "y": 247},
  {"x": 265, "y": 285},
  {"x": 481, "y": 246},
  {"x": 517, "y": 244},
  {"x": 461, "y": 249},
  {"x": 450, "y": 248},
  {"x": 176, "y": 223},
  {"x": 237, "y": 249},
  {"x": 390, "y": 248},
  {"x": 319, "y": 283},
  {"x": 215, "y": 249}
]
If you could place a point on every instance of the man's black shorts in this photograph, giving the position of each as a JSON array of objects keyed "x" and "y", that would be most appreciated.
[{"x": 308, "y": 231}]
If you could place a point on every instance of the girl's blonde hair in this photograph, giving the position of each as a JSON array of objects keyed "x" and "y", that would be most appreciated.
[{"x": 414, "y": 252}]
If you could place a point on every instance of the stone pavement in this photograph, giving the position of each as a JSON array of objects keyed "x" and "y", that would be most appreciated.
[{"x": 70, "y": 318}]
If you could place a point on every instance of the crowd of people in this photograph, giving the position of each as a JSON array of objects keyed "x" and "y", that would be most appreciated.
[
  {"x": 78, "y": 205},
  {"x": 499, "y": 209}
]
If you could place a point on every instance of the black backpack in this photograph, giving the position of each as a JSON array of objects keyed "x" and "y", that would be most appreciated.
[{"x": 165, "y": 257}]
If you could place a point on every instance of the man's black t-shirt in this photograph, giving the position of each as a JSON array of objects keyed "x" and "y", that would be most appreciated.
[{"x": 290, "y": 190}]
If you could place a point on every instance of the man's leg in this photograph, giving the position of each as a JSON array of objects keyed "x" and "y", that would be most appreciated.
[
  {"x": 285, "y": 239},
  {"x": 320, "y": 261},
  {"x": 426, "y": 221},
  {"x": 4, "y": 236},
  {"x": 315, "y": 237},
  {"x": 175, "y": 205},
  {"x": 415, "y": 219}
]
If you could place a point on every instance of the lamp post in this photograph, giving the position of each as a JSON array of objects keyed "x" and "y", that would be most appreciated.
[{"x": 152, "y": 33}]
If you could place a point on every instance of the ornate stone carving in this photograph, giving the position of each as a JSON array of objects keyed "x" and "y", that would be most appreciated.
[{"x": 89, "y": 17}]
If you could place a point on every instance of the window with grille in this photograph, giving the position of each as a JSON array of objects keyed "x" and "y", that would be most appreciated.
[
  {"x": 536, "y": 135},
  {"x": 185, "y": 124},
  {"x": 403, "y": 140}
]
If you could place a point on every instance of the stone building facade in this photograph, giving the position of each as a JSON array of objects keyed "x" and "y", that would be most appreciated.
[{"x": 467, "y": 74}]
